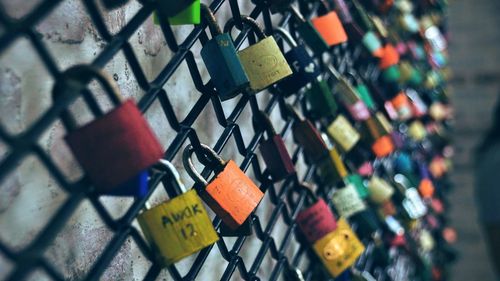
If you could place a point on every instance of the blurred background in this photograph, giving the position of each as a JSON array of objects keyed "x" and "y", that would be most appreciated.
[{"x": 474, "y": 53}]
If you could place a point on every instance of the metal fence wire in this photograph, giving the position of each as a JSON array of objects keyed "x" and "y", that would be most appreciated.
[{"x": 280, "y": 255}]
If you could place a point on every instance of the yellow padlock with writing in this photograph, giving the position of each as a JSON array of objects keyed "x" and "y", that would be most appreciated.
[
  {"x": 263, "y": 62},
  {"x": 178, "y": 227}
]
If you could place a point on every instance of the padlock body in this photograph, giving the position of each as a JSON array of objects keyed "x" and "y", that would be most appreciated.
[
  {"x": 339, "y": 249},
  {"x": 304, "y": 70},
  {"x": 330, "y": 28},
  {"x": 137, "y": 186},
  {"x": 310, "y": 139},
  {"x": 343, "y": 133},
  {"x": 312, "y": 38},
  {"x": 321, "y": 99},
  {"x": 115, "y": 147},
  {"x": 189, "y": 15},
  {"x": 277, "y": 158},
  {"x": 316, "y": 221},
  {"x": 224, "y": 66},
  {"x": 178, "y": 228},
  {"x": 232, "y": 195},
  {"x": 264, "y": 64}
]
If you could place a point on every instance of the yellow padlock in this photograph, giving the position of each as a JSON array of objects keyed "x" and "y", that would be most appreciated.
[
  {"x": 339, "y": 249},
  {"x": 178, "y": 227},
  {"x": 264, "y": 63}
]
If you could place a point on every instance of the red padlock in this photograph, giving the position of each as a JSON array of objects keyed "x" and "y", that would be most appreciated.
[
  {"x": 317, "y": 220},
  {"x": 273, "y": 149},
  {"x": 306, "y": 135},
  {"x": 115, "y": 147}
]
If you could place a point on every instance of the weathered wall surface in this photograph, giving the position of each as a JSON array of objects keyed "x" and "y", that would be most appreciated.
[
  {"x": 30, "y": 196},
  {"x": 474, "y": 52}
]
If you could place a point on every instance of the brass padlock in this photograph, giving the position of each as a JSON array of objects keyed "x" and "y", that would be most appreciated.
[
  {"x": 263, "y": 62},
  {"x": 180, "y": 226}
]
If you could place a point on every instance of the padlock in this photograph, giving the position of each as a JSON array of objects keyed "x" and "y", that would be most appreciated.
[
  {"x": 317, "y": 219},
  {"x": 273, "y": 149},
  {"x": 372, "y": 43},
  {"x": 178, "y": 12},
  {"x": 307, "y": 136},
  {"x": 263, "y": 62},
  {"x": 321, "y": 99},
  {"x": 357, "y": 181},
  {"x": 390, "y": 56},
  {"x": 426, "y": 186},
  {"x": 107, "y": 147},
  {"x": 343, "y": 133},
  {"x": 303, "y": 66},
  {"x": 331, "y": 170},
  {"x": 348, "y": 96},
  {"x": 309, "y": 33},
  {"x": 339, "y": 249},
  {"x": 416, "y": 130},
  {"x": 179, "y": 227},
  {"x": 362, "y": 91},
  {"x": 419, "y": 108},
  {"x": 222, "y": 61},
  {"x": 380, "y": 190},
  {"x": 347, "y": 201},
  {"x": 231, "y": 194},
  {"x": 329, "y": 26}
]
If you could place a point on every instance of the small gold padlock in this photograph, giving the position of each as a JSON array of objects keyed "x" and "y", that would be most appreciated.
[
  {"x": 264, "y": 63},
  {"x": 178, "y": 227}
]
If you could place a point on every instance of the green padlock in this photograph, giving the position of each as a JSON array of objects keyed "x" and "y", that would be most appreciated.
[
  {"x": 189, "y": 15},
  {"x": 321, "y": 99}
]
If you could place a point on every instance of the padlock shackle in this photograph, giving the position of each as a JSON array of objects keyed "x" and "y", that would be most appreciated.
[
  {"x": 173, "y": 177},
  {"x": 74, "y": 80},
  {"x": 311, "y": 198},
  {"x": 254, "y": 26},
  {"x": 286, "y": 36},
  {"x": 209, "y": 17},
  {"x": 209, "y": 153},
  {"x": 261, "y": 122},
  {"x": 296, "y": 14},
  {"x": 80, "y": 75}
]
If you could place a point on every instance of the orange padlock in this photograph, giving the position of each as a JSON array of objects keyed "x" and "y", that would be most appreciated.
[
  {"x": 231, "y": 194},
  {"x": 390, "y": 56},
  {"x": 330, "y": 27}
]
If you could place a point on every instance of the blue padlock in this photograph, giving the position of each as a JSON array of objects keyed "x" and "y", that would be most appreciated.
[
  {"x": 221, "y": 60},
  {"x": 305, "y": 70}
]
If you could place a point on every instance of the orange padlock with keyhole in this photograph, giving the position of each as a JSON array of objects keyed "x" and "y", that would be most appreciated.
[{"x": 231, "y": 194}]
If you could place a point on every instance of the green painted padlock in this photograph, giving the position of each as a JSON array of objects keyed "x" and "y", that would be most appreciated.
[
  {"x": 178, "y": 227},
  {"x": 321, "y": 99},
  {"x": 264, "y": 63},
  {"x": 179, "y": 12}
]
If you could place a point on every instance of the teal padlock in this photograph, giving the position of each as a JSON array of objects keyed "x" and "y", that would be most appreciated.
[
  {"x": 221, "y": 60},
  {"x": 172, "y": 9}
]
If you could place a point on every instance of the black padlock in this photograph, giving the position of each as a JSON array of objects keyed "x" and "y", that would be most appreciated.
[
  {"x": 273, "y": 149},
  {"x": 302, "y": 63}
]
